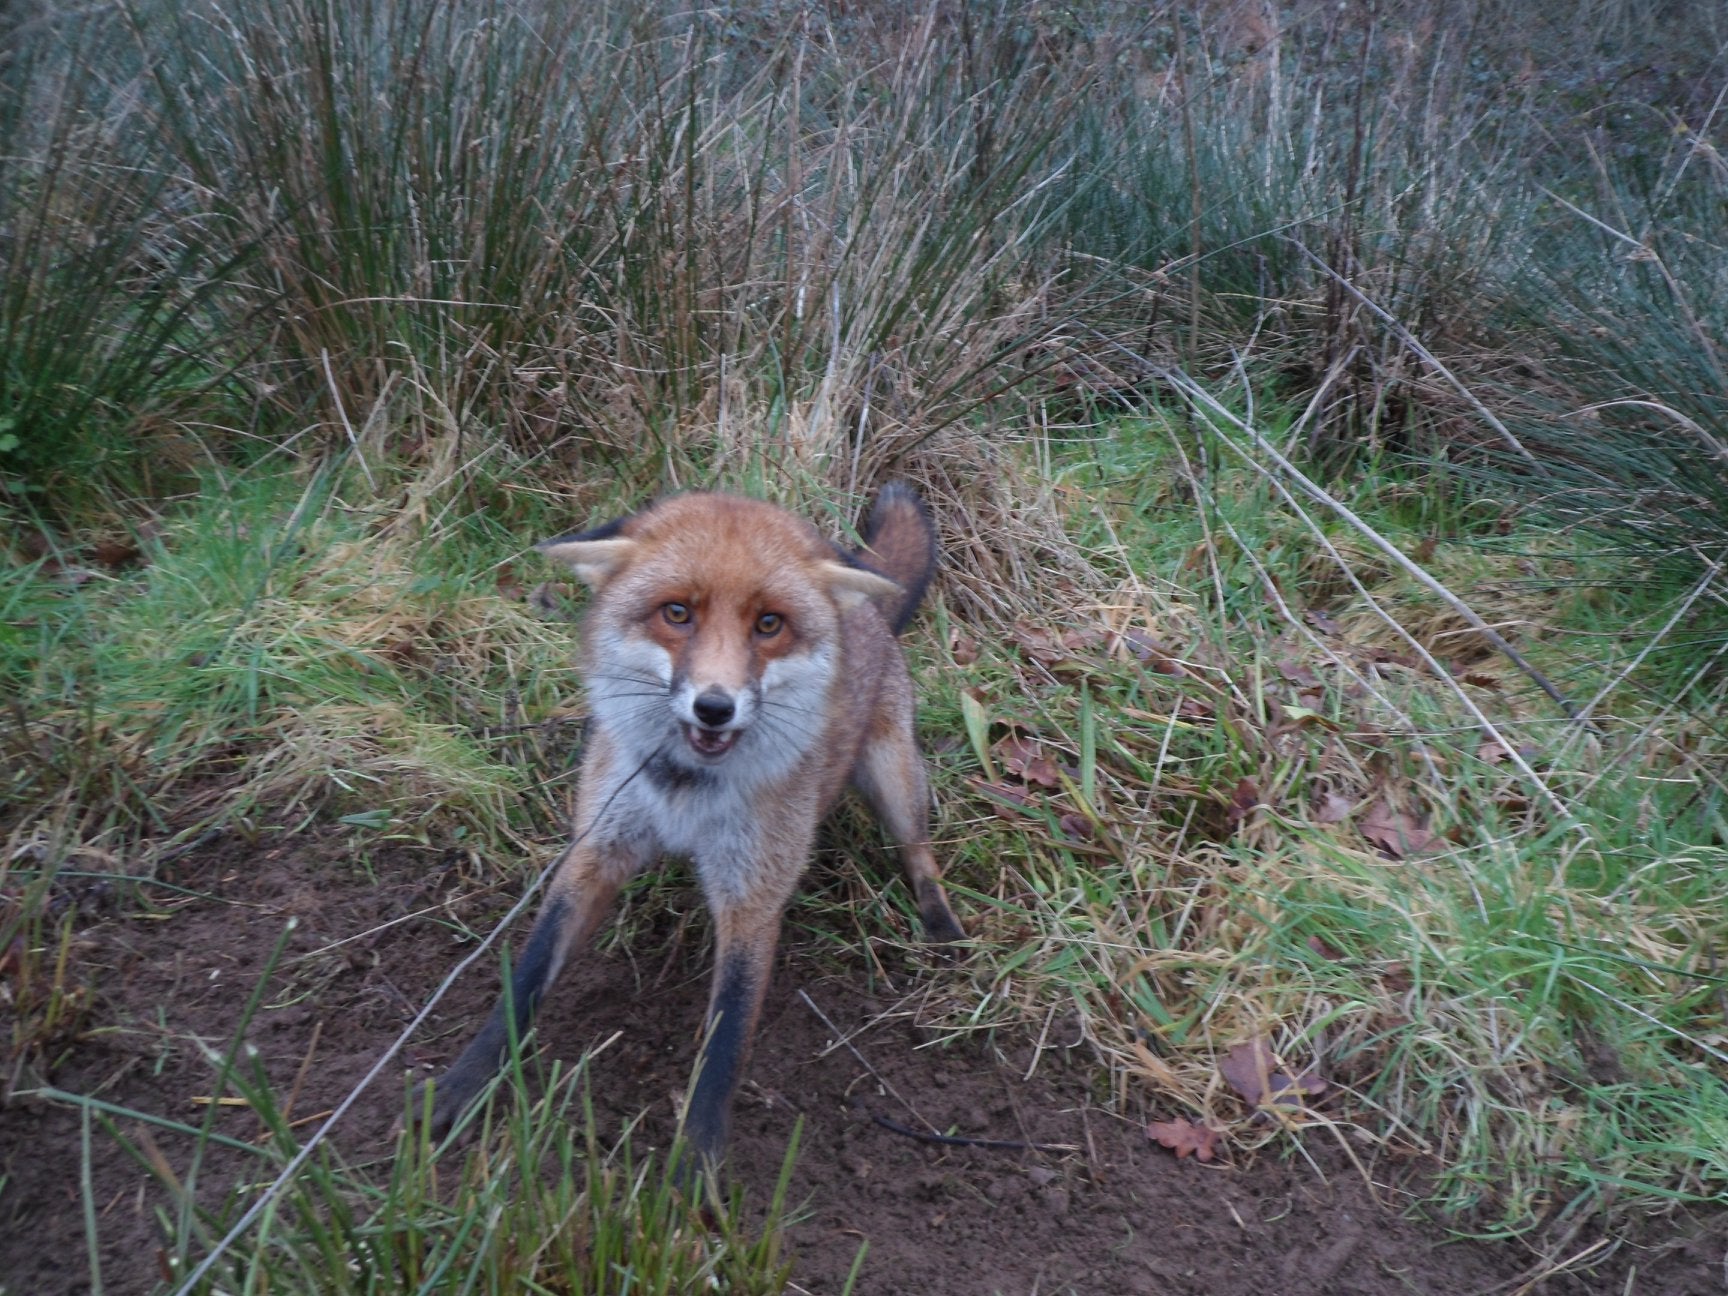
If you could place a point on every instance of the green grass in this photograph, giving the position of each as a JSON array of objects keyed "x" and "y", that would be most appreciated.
[
  {"x": 536, "y": 1203},
  {"x": 280, "y": 598},
  {"x": 1534, "y": 998}
]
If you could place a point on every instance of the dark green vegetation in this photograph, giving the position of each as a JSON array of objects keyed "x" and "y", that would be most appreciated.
[{"x": 1187, "y": 320}]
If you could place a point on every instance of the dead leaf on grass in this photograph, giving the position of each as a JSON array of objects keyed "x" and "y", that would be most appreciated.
[
  {"x": 1141, "y": 644},
  {"x": 1325, "y": 949},
  {"x": 1082, "y": 640},
  {"x": 1252, "y": 1071},
  {"x": 1497, "y": 753},
  {"x": 1196, "y": 709},
  {"x": 1075, "y": 827},
  {"x": 1333, "y": 808},
  {"x": 115, "y": 554},
  {"x": 1023, "y": 757},
  {"x": 1038, "y": 643},
  {"x": 1397, "y": 834},
  {"x": 1042, "y": 771},
  {"x": 1014, "y": 750},
  {"x": 1242, "y": 800},
  {"x": 1153, "y": 653},
  {"x": 962, "y": 648},
  {"x": 1386, "y": 657},
  {"x": 67, "y": 574},
  {"x": 1005, "y": 799},
  {"x": 1183, "y": 1137}
]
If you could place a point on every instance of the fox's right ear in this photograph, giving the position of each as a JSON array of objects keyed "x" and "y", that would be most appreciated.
[{"x": 595, "y": 556}]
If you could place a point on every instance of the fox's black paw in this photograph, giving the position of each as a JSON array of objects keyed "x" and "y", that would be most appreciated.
[{"x": 941, "y": 927}]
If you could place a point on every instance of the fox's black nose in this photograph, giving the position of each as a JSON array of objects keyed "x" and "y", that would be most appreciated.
[{"x": 713, "y": 708}]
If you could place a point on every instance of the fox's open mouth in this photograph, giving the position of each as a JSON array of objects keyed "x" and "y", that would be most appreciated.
[{"x": 706, "y": 742}]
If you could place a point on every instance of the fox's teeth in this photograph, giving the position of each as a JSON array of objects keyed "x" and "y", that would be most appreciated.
[{"x": 708, "y": 743}]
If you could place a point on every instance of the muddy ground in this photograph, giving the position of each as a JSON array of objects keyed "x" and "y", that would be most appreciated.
[{"x": 1115, "y": 1214}]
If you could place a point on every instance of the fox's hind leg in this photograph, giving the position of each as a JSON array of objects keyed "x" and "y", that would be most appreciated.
[{"x": 890, "y": 776}]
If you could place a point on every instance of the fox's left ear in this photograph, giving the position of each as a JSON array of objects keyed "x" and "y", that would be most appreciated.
[
  {"x": 853, "y": 585},
  {"x": 595, "y": 555},
  {"x": 594, "y": 561}
]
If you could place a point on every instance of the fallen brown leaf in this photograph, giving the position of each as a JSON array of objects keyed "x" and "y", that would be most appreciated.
[
  {"x": 1183, "y": 1137},
  {"x": 1196, "y": 709},
  {"x": 1005, "y": 799},
  {"x": 1038, "y": 643},
  {"x": 1398, "y": 835},
  {"x": 1075, "y": 827},
  {"x": 115, "y": 554},
  {"x": 1023, "y": 757},
  {"x": 1153, "y": 653},
  {"x": 1242, "y": 800},
  {"x": 1042, "y": 771},
  {"x": 1385, "y": 656},
  {"x": 1332, "y": 808},
  {"x": 1252, "y": 1071},
  {"x": 66, "y": 574},
  {"x": 1325, "y": 949},
  {"x": 1143, "y": 645}
]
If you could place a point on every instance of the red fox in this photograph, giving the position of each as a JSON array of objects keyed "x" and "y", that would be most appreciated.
[{"x": 741, "y": 671}]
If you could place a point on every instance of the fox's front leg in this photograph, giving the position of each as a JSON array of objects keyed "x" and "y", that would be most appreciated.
[
  {"x": 583, "y": 889},
  {"x": 746, "y": 932}
]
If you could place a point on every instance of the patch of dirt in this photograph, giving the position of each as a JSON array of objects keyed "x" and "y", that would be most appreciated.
[{"x": 1114, "y": 1214}]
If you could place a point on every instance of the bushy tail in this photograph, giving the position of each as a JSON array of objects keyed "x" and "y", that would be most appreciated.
[{"x": 900, "y": 542}]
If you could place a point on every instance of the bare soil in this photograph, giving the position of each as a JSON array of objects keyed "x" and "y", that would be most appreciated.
[{"x": 1116, "y": 1214}]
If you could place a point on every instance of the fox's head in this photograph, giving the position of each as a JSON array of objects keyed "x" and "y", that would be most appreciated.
[{"x": 713, "y": 627}]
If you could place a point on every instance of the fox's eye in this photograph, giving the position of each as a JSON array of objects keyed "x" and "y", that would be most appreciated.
[
  {"x": 676, "y": 613},
  {"x": 769, "y": 623}
]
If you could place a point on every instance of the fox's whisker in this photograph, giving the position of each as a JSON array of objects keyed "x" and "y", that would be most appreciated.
[
  {"x": 646, "y": 680},
  {"x": 790, "y": 709}
]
